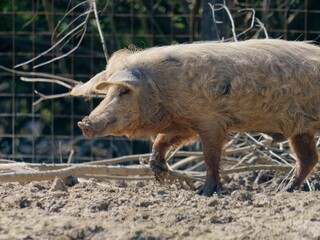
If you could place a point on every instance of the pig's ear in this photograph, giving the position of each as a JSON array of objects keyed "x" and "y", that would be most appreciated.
[
  {"x": 88, "y": 87},
  {"x": 129, "y": 79}
]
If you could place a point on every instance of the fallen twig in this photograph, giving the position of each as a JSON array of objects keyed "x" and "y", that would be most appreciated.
[
  {"x": 114, "y": 177},
  {"x": 271, "y": 152},
  {"x": 125, "y": 171},
  {"x": 74, "y": 171},
  {"x": 184, "y": 162},
  {"x": 3, "y": 161}
]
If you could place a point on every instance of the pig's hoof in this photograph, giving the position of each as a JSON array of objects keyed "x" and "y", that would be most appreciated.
[
  {"x": 208, "y": 189},
  {"x": 160, "y": 171},
  {"x": 292, "y": 186}
]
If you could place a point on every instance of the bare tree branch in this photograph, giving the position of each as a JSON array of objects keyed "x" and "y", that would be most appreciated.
[
  {"x": 47, "y": 81},
  {"x": 103, "y": 43},
  {"x": 72, "y": 22},
  {"x": 46, "y": 97},
  {"x": 233, "y": 28},
  {"x": 48, "y": 50},
  {"x": 44, "y": 75},
  {"x": 263, "y": 28},
  {"x": 214, "y": 19},
  {"x": 82, "y": 25},
  {"x": 253, "y": 17}
]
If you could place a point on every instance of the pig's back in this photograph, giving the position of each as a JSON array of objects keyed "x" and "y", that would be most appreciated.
[
  {"x": 255, "y": 85},
  {"x": 259, "y": 85}
]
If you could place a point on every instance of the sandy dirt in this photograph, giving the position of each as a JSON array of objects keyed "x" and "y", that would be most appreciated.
[{"x": 146, "y": 210}]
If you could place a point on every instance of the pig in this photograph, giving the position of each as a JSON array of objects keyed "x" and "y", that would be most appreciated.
[{"x": 201, "y": 91}]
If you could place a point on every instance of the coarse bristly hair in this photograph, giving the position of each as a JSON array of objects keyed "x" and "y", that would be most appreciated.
[
  {"x": 205, "y": 90},
  {"x": 255, "y": 85}
]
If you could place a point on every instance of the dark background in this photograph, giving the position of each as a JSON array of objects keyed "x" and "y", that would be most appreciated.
[{"x": 48, "y": 132}]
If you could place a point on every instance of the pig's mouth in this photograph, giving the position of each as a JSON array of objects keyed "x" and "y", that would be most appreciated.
[{"x": 89, "y": 130}]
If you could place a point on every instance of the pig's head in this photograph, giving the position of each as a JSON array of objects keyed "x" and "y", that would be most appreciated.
[{"x": 119, "y": 112}]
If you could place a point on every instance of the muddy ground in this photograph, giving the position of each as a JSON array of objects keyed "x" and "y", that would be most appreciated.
[{"x": 146, "y": 210}]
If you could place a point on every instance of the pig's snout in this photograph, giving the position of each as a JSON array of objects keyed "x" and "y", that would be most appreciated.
[{"x": 86, "y": 130}]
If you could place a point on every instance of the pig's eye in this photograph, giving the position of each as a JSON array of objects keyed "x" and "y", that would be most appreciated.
[{"x": 124, "y": 92}]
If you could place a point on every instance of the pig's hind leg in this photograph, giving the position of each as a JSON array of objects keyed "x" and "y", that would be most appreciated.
[
  {"x": 212, "y": 143},
  {"x": 160, "y": 147},
  {"x": 304, "y": 147}
]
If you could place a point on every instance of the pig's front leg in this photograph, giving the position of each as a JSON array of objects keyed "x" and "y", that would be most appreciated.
[
  {"x": 212, "y": 143},
  {"x": 160, "y": 147}
]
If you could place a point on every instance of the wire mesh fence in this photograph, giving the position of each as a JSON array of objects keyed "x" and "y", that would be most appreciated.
[{"x": 48, "y": 132}]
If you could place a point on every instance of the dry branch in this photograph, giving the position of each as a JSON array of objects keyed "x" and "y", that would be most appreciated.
[
  {"x": 53, "y": 78},
  {"x": 235, "y": 36},
  {"x": 119, "y": 160},
  {"x": 82, "y": 26},
  {"x": 79, "y": 29},
  {"x": 184, "y": 162},
  {"x": 233, "y": 28},
  {"x": 2, "y": 161},
  {"x": 73, "y": 21},
  {"x": 68, "y": 83},
  {"x": 39, "y": 167},
  {"x": 253, "y": 17},
  {"x": 140, "y": 157},
  {"x": 103, "y": 42},
  {"x": 74, "y": 171},
  {"x": 196, "y": 166},
  {"x": 120, "y": 178},
  {"x": 263, "y": 28},
  {"x": 46, "y": 97},
  {"x": 47, "y": 81},
  {"x": 126, "y": 171}
]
